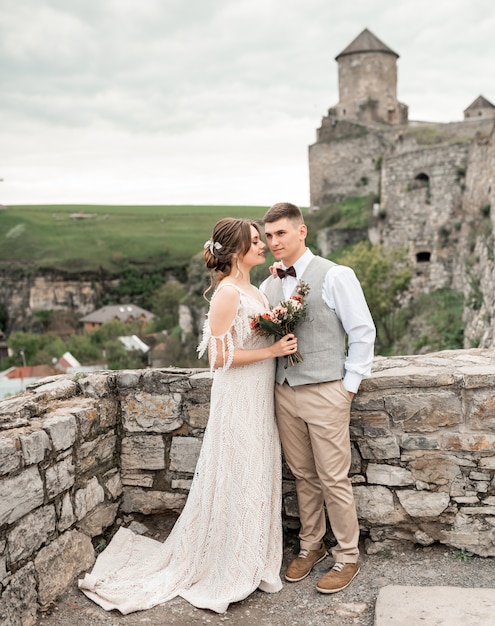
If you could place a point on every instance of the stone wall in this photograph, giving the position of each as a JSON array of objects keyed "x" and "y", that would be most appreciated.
[
  {"x": 422, "y": 204},
  {"x": 474, "y": 266},
  {"x": 344, "y": 165},
  {"x": 77, "y": 453}
]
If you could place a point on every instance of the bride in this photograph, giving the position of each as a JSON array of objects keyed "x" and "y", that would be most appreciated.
[{"x": 228, "y": 540}]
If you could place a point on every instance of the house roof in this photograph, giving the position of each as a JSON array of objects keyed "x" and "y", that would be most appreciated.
[
  {"x": 68, "y": 360},
  {"x": 366, "y": 42},
  {"x": 480, "y": 103},
  {"x": 33, "y": 371},
  {"x": 121, "y": 312},
  {"x": 133, "y": 342}
]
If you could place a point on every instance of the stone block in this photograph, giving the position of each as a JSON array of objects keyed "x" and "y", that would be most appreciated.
[
  {"x": 113, "y": 483},
  {"x": 19, "y": 495},
  {"x": 128, "y": 379},
  {"x": 137, "y": 500},
  {"x": 65, "y": 513},
  {"x": 59, "y": 388},
  {"x": 144, "y": 412},
  {"x": 423, "y": 504},
  {"x": 487, "y": 463},
  {"x": 17, "y": 411},
  {"x": 87, "y": 417},
  {"x": 388, "y": 475},
  {"x": 197, "y": 415},
  {"x": 436, "y": 469},
  {"x": 480, "y": 409},
  {"x": 101, "y": 517},
  {"x": 31, "y": 532},
  {"x": 96, "y": 384},
  {"x": 370, "y": 424},
  {"x": 467, "y": 442},
  {"x": 181, "y": 483},
  {"x": 100, "y": 451},
  {"x": 58, "y": 564},
  {"x": 291, "y": 507},
  {"x": 375, "y": 505},
  {"x": 88, "y": 498},
  {"x": 379, "y": 448},
  {"x": 61, "y": 429},
  {"x": 142, "y": 452},
  {"x": 479, "y": 475},
  {"x": 59, "y": 477},
  {"x": 18, "y": 602},
  {"x": 419, "y": 442},
  {"x": 34, "y": 445},
  {"x": 137, "y": 479},
  {"x": 425, "y": 412},
  {"x": 184, "y": 454},
  {"x": 9, "y": 454}
]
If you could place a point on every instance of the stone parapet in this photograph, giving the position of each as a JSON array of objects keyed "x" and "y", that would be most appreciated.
[{"x": 77, "y": 451}]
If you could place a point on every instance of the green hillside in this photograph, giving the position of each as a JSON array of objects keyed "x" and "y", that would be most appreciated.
[{"x": 113, "y": 238}]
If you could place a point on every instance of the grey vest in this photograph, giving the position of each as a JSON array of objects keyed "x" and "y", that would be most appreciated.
[{"x": 320, "y": 338}]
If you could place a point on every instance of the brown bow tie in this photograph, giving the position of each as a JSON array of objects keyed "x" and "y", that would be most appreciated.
[{"x": 290, "y": 271}]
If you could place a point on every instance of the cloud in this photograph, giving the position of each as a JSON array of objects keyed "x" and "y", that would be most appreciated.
[{"x": 211, "y": 100}]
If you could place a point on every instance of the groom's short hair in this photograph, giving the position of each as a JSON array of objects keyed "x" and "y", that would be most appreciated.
[{"x": 283, "y": 210}]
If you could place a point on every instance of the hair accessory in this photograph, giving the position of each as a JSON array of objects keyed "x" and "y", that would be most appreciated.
[{"x": 213, "y": 246}]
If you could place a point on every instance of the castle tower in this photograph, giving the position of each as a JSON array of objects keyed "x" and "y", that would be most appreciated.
[{"x": 368, "y": 82}]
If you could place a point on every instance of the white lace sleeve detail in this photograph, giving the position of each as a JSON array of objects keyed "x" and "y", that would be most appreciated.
[
  {"x": 210, "y": 341},
  {"x": 240, "y": 329}
]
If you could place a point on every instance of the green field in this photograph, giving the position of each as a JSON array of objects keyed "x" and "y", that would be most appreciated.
[{"x": 114, "y": 238}]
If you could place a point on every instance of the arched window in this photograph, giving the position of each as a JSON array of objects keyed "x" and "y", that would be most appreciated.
[{"x": 423, "y": 178}]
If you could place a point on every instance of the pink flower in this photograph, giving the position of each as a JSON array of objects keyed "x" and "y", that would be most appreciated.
[{"x": 284, "y": 318}]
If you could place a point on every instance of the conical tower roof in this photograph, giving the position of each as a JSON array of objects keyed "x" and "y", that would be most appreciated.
[{"x": 366, "y": 42}]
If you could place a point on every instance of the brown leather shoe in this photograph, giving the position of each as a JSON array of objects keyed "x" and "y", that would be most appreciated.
[
  {"x": 304, "y": 562},
  {"x": 339, "y": 577}
]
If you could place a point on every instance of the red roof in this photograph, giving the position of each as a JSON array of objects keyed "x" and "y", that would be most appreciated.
[{"x": 33, "y": 371}]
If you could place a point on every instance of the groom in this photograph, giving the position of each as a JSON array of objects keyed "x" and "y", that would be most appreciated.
[{"x": 313, "y": 398}]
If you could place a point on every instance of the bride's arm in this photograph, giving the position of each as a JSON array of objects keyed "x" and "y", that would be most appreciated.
[{"x": 223, "y": 310}]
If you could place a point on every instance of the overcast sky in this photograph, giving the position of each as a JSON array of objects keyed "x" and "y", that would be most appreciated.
[{"x": 207, "y": 101}]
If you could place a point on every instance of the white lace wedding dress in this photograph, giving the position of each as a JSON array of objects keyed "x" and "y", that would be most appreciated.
[{"x": 228, "y": 540}]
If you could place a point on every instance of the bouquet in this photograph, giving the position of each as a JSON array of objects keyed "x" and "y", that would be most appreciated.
[{"x": 284, "y": 318}]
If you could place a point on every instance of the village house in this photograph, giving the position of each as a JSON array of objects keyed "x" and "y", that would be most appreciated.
[{"x": 116, "y": 312}]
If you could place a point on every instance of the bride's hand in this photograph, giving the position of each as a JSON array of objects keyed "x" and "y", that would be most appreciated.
[{"x": 285, "y": 346}]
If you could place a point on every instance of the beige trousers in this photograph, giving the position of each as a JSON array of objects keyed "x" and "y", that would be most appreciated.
[{"x": 313, "y": 421}]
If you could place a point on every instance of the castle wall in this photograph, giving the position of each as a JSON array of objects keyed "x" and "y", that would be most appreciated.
[
  {"x": 345, "y": 167},
  {"x": 421, "y": 200},
  {"x": 78, "y": 453},
  {"x": 474, "y": 266}
]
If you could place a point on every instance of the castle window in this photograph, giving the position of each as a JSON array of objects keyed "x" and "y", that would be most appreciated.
[
  {"x": 423, "y": 257},
  {"x": 423, "y": 178}
]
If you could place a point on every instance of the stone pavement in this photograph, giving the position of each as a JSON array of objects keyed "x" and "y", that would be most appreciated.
[
  {"x": 408, "y": 586},
  {"x": 435, "y": 606}
]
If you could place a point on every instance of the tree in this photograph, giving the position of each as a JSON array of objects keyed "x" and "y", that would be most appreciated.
[
  {"x": 385, "y": 276},
  {"x": 165, "y": 305},
  {"x": 31, "y": 349},
  {"x": 83, "y": 349}
]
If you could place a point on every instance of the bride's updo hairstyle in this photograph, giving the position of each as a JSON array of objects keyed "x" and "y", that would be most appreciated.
[{"x": 230, "y": 236}]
